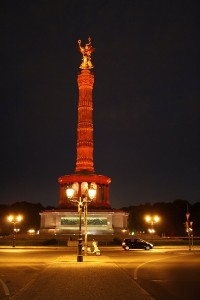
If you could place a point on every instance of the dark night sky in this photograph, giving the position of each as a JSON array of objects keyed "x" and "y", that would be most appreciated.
[{"x": 146, "y": 98}]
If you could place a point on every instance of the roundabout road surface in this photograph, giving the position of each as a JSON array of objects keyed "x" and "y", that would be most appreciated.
[{"x": 54, "y": 274}]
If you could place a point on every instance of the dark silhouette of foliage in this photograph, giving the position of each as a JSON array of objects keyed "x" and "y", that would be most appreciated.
[
  {"x": 29, "y": 211},
  {"x": 172, "y": 217}
]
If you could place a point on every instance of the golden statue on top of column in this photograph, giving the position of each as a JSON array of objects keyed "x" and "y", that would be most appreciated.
[{"x": 86, "y": 51}]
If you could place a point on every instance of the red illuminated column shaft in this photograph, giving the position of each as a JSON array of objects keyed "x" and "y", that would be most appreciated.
[{"x": 84, "y": 161}]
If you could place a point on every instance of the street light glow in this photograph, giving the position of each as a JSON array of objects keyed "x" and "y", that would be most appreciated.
[
  {"x": 148, "y": 218},
  {"x": 152, "y": 220},
  {"x": 91, "y": 193},
  {"x": 19, "y": 218},
  {"x": 14, "y": 219},
  {"x": 70, "y": 192},
  {"x": 10, "y": 218},
  {"x": 156, "y": 219}
]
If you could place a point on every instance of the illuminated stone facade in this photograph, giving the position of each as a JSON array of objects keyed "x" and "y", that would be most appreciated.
[{"x": 101, "y": 222}]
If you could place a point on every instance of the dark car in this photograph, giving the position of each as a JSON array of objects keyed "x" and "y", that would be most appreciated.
[{"x": 136, "y": 244}]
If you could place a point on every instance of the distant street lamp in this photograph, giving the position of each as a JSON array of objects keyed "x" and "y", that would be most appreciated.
[
  {"x": 82, "y": 202},
  {"x": 14, "y": 220},
  {"x": 152, "y": 220},
  {"x": 189, "y": 230}
]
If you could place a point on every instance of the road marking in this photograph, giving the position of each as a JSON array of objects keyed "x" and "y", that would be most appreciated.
[
  {"x": 143, "y": 291},
  {"x": 5, "y": 288},
  {"x": 147, "y": 262},
  {"x": 160, "y": 280}
]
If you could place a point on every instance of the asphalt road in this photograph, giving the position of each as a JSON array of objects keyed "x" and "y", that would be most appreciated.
[{"x": 54, "y": 274}]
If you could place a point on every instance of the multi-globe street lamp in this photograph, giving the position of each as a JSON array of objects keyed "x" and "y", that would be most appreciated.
[
  {"x": 152, "y": 220},
  {"x": 14, "y": 220},
  {"x": 189, "y": 230},
  {"x": 82, "y": 202}
]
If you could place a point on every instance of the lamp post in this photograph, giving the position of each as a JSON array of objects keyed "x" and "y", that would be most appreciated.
[
  {"x": 152, "y": 220},
  {"x": 70, "y": 194},
  {"x": 189, "y": 229},
  {"x": 82, "y": 202},
  {"x": 14, "y": 220},
  {"x": 88, "y": 198}
]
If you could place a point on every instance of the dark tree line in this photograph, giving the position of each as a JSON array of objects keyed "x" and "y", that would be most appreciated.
[
  {"x": 30, "y": 212},
  {"x": 172, "y": 217}
]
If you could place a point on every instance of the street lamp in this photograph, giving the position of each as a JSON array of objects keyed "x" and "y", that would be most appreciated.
[
  {"x": 14, "y": 220},
  {"x": 152, "y": 220},
  {"x": 91, "y": 193},
  {"x": 189, "y": 229},
  {"x": 81, "y": 202}
]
